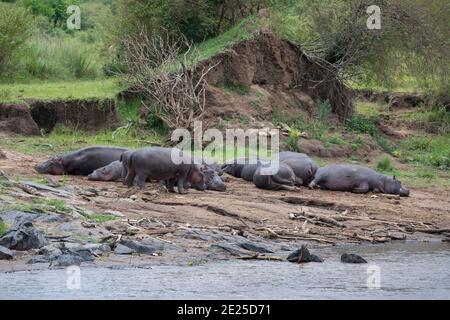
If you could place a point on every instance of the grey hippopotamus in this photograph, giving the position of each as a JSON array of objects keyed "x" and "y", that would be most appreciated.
[
  {"x": 124, "y": 159},
  {"x": 157, "y": 164},
  {"x": 82, "y": 162},
  {"x": 302, "y": 165},
  {"x": 212, "y": 181},
  {"x": 284, "y": 179},
  {"x": 111, "y": 172},
  {"x": 235, "y": 167},
  {"x": 357, "y": 179},
  {"x": 242, "y": 168}
]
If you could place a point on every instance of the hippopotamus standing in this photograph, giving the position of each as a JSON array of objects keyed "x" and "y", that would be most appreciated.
[
  {"x": 124, "y": 159},
  {"x": 284, "y": 179},
  {"x": 157, "y": 164},
  {"x": 302, "y": 165},
  {"x": 357, "y": 179},
  {"x": 111, "y": 172},
  {"x": 82, "y": 162}
]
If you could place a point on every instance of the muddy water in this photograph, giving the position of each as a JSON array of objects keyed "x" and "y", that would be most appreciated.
[{"x": 406, "y": 270}]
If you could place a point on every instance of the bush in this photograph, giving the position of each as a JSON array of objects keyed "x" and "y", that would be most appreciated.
[
  {"x": 361, "y": 124},
  {"x": 384, "y": 165},
  {"x": 431, "y": 151},
  {"x": 16, "y": 26}
]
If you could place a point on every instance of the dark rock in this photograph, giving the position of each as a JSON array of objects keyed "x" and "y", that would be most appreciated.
[
  {"x": 121, "y": 249},
  {"x": 352, "y": 258},
  {"x": 66, "y": 260},
  {"x": 250, "y": 246},
  {"x": 154, "y": 243},
  {"x": 5, "y": 253},
  {"x": 303, "y": 255},
  {"x": 23, "y": 236},
  {"x": 52, "y": 251},
  {"x": 40, "y": 259},
  {"x": 138, "y": 247}
]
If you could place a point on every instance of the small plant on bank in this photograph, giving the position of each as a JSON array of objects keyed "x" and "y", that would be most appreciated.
[
  {"x": 3, "y": 228},
  {"x": 324, "y": 110},
  {"x": 385, "y": 165},
  {"x": 235, "y": 88},
  {"x": 292, "y": 140},
  {"x": 361, "y": 124},
  {"x": 101, "y": 218}
]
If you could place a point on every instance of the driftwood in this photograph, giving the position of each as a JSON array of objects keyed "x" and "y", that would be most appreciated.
[
  {"x": 433, "y": 231},
  {"x": 260, "y": 257}
]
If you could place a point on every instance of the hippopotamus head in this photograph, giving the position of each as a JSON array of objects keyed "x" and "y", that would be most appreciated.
[
  {"x": 213, "y": 180},
  {"x": 101, "y": 174},
  {"x": 54, "y": 165},
  {"x": 394, "y": 186},
  {"x": 197, "y": 179}
]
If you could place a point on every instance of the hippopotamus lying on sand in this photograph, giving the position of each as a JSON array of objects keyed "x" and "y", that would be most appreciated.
[
  {"x": 302, "y": 165},
  {"x": 82, "y": 162},
  {"x": 157, "y": 164},
  {"x": 284, "y": 179},
  {"x": 114, "y": 172},
  {"x": 111, "y": 172},
  {"x": 357, "y": 179}
]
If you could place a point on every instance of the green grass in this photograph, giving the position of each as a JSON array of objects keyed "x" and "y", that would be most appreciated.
[
  {"x": 438, "y": 117},
  {"x": 370, "y": 110},
  {"x": 242, "y": 31},
  {"x": 235, "y": 88},
  {"x": 385, "y": 165},
  {"x": 3, "y": 228},
  {"x": 432, "y": 151},
  {"x": 101, "y": 218},
  {"x": 63, "y": 139},
  {"x": 39, "y": 205},
  {"x": 43, "y": 90}
]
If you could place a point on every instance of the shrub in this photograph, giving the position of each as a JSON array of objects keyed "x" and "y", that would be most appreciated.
[
  {"x": 361, "y": 124},
  {"x": 16, "y": 26},
  {"x": 384, "y": 165}
]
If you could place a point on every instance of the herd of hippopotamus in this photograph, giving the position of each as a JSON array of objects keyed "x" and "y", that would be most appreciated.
[{"x": 155, "y": 164}]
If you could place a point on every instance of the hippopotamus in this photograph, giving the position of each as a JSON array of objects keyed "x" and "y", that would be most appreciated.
[
  {"x": 357, "y": 179},
  {"x": 82, "y": 162},
  {"x": 302, "y": 165},
  {"x": 248, "y": 171},
  {"x": 124, "y": 159},
  {"x": 236, "y": 167},
  {"x": 156, "y": 164},
  {"x": 111, "y": 172},
  {"x": 212, "y": 181},
  {"x": 284, "y": 179}
]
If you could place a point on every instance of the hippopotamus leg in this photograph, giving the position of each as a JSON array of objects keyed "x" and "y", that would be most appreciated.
[
  {"x": 129, "y": 181},
  {"x": 362, "y": 188},
  {"x": 141, "y": 179}
]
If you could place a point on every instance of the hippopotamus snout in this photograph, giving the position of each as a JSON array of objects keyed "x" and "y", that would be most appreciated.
[
  {"x": 404, "y": 192},
  {"x": 52, "y": 166}
]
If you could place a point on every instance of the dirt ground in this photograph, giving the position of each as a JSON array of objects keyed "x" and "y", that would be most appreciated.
[{"x": 314, "y": 216}]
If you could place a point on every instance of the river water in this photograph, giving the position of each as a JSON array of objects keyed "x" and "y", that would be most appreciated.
[{"x": 411, "y": 270}]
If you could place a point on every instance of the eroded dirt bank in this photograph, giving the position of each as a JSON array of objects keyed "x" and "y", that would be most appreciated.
[{"x": 243, "y": 223}]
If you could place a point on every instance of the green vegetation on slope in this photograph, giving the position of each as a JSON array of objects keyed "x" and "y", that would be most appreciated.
[{"x": 52, "y": 90}]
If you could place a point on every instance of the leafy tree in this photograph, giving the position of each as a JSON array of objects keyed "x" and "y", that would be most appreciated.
[{"x": 54, "y": 10}]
